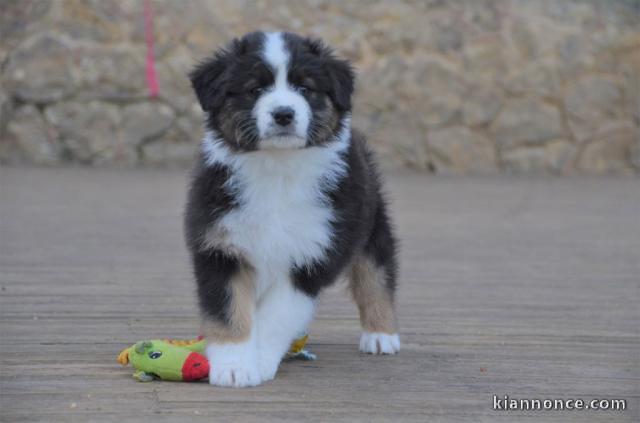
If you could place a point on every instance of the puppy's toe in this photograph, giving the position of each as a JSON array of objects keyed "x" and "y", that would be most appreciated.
[
  {"x": 379, "y": 343},
  {"x": 234, "y": 376}
]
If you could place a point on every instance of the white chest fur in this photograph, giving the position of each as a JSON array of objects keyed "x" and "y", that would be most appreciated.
[{"x": 283, "y": 218}]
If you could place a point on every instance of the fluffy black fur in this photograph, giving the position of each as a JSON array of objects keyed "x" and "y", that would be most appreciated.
[{"x": 361, "y": 225}]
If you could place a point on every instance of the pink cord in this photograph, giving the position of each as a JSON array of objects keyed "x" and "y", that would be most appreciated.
[{"x": 152, "y": 79}]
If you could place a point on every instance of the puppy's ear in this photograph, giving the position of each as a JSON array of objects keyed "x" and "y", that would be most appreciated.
[
  {"x": 341, "y": 74},
  {"x": 342, "y": 83},
  {"x": 208, "y": 80}
]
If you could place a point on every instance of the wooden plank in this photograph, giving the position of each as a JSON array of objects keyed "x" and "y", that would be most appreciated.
[{"x": 524, "y": 287}]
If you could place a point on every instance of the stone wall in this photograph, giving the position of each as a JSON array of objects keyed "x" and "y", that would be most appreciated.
[{"x": 524, "y": 86}]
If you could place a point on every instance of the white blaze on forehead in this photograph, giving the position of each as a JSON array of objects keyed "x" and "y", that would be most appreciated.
[
  {"x": 281, "y": 94},
  {"x": 275, "y": 52}
]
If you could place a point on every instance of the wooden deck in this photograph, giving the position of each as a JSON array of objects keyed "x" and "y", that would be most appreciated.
[{"x": 521, "y": 287}]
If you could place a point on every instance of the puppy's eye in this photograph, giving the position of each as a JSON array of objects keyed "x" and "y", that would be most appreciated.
[
  {"x": 256, "y": 90},
  {"x": 154, "y": 354},
  {"x": 303, "y": 90}
]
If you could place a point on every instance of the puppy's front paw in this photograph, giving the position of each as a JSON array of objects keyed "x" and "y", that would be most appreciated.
[
  {"x": 236, "y": 376},
  {"x": 233, "y": 365},
  {"x": 379, "y": 343}
]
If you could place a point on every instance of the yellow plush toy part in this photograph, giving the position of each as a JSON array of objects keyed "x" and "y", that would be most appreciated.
[{"x": 297, "y": 351}]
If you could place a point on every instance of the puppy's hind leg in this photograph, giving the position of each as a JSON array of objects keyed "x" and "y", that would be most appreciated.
[{"x": 372, "y": 283}]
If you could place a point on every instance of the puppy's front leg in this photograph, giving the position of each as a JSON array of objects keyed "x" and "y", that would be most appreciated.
[
  {"x": 226, "y": 290},
  {"x": 283, "y": 314}
]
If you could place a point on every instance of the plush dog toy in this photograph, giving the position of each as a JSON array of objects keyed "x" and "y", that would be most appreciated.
[{"x": 182, "y": 360}]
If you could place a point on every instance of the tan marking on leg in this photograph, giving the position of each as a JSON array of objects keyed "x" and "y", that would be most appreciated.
[
  {"x": 218, "y": 238},
  {"x": 375, "y": 302},
  {"x": 241, "y": 310}
]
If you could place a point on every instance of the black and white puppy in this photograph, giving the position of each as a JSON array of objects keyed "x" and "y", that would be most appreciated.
[{"x": 285, "y": 198}]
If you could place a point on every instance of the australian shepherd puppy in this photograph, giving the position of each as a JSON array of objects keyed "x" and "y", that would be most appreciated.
[{"x": 285, "y": 198}]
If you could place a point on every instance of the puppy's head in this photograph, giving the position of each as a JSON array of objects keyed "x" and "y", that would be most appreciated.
[{"x": 274, "y": 91}]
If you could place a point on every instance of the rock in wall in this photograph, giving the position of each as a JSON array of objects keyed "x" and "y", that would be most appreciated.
[{"x": 466, "y": 86}]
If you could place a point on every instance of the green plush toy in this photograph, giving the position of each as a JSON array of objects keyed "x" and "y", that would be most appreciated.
[
  {"x": 167, "y": 360},
  {"x": 182, "y": 360}
]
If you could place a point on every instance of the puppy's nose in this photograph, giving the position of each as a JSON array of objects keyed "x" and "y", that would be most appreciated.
[{"x": 283, "y": 115}]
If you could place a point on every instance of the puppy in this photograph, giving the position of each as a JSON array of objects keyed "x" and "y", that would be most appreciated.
[{"x": 285, "y": 197}]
